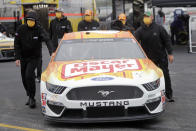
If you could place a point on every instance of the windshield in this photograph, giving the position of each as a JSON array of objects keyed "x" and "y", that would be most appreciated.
[{"x": 107, "y": 48}]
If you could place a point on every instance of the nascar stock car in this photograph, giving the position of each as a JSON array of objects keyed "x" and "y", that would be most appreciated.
[
  {"x": 6, "y": 48},
  {"x": 101, "y": 76}
]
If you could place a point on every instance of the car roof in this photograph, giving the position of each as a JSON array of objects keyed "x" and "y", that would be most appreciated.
[{"x": 97, "y": 34}]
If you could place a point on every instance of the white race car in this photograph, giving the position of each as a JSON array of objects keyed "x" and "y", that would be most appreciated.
[
  {"x": 101, "y": 76},
  {"x": 6, "y": 48}
]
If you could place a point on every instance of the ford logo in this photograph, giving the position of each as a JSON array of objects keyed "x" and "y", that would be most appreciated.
[{"x": 102, "y": 78}]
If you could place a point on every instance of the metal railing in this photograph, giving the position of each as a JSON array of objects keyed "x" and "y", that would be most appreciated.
[{"x": 192, "y": 34}]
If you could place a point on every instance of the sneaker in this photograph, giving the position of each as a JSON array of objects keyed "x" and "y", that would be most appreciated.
[
  {"x": 37, "y": 80},
  {"x": 170, "y": 99},
  {"x": 32, "y": 103},
  {"x": 27, "y": 103}
]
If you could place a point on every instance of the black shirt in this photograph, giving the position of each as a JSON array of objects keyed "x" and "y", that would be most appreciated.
[
  {"x": 27, "y": 42},
  {"x": 154, "y": 40},
  {"x": 84, "y": 25}
]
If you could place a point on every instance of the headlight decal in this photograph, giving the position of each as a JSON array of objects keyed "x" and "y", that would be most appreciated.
[
  {"x": 55, "y": 88},
  {"x": 152, "y": 85}
]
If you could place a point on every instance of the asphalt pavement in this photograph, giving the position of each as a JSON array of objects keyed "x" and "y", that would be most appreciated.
[{"x": 178, "y": 116}]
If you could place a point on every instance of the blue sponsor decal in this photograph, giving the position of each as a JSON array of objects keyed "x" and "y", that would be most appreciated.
[
  {"x": 102, "y": 78},
  {"x": 43, "y": 109}
]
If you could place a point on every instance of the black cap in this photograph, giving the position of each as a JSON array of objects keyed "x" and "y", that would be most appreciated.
[{"x": 31, "y": 15}]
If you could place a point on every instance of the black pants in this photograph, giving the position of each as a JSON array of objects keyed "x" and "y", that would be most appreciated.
[
  {"x": 163, "y": 64},
  {"x": 55, "y": 43},
  {"x": 39, "y": 68},
  {"x": 28, "y": 75}
]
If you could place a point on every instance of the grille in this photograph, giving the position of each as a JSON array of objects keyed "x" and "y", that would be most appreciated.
[
  {"x": 105, "y": 93},
  {"x": 73, "y": 113},
  {"x": 8, "y": 53},
  {"x": 104, "y": 112},
  {"x": 136, "y": 111},
  {"x": 56, "y": 109},
  {"x": 6, "y": 46},
  {"x": 114, "y": 111},
  {"x": 153, "y": 105}
]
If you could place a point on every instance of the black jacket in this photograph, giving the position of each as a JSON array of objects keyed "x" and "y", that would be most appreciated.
[
  {"x": 84, "y": 25},
  {"x": 154, "y": 40},
  {"x": 118, "y": 25},
  {"x": 2, "y": 28},
  {"x": 28, "y": 42},
  {"x": 58, "y": 28}
]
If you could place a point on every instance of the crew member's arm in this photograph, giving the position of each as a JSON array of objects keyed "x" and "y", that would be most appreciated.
[
  {"x": 69, "y": 27},
  {"x": 97, "y": 25},
  {"x": 116, "y": 25},
  {"x": 45, "y": 37},
  {"x": 17, "y": 47},
  {"x": 80, "y": 26},
  {"x": 50, "y": 29},
  {"x": 167, "y": 43},
  {"x": 137, "y": 35}
]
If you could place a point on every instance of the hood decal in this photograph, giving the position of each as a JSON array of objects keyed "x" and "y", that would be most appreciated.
[{"x": 98, "y": 67}]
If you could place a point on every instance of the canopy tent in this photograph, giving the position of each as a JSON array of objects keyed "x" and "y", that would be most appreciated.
[{"x": 174, "y": 3}]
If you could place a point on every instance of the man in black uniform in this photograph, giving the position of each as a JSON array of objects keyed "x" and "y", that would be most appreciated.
[
  {"x": 157, "y": 45},
  {"x": 122, "y": 24},
  {"x": 27, "y": 44},
  {"x": 59, "y": 26},
  {"x": 88, "y": 23},
  {"x": 2, "y": 29}
]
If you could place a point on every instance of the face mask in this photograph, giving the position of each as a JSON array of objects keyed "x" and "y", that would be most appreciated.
[
  {"x": 123, "y": 21},
  {"x": 58, "y": 15},
  {"x": 147, "y": 20},
  {"x": 30, "y": 23},
  {"x": 88, "y": 18}
]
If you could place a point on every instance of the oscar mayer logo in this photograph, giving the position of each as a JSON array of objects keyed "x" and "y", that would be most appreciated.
[{"x": 105, "y": 66}]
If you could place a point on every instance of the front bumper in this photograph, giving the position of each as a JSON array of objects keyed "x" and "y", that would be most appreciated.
[
  {"x": 103, "y": 120},
  {"x": 105, "y": 114},
  {"x": 56, "y": 107}
]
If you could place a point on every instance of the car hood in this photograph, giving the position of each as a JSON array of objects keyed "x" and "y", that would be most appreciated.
[
  {"x": 132, "y": 69},
  {"x": 6, "y": 42}
]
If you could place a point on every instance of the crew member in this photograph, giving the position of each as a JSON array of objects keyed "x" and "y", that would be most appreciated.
[
  {"x": 27, "y": 44},
  {"x": 59, "y": 26},
  {"x": 88, "y": 23},
  {"x": 157, "y": 45},
  {"x": 121, "y": 24}
]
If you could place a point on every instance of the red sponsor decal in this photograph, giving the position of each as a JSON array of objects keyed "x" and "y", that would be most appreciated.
[
  {"x": 43, "y": 103},
  {"x": 44, "y": 96},
  {"x": 105, "y": 66},
  {"x": 163, "y": 99}
]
